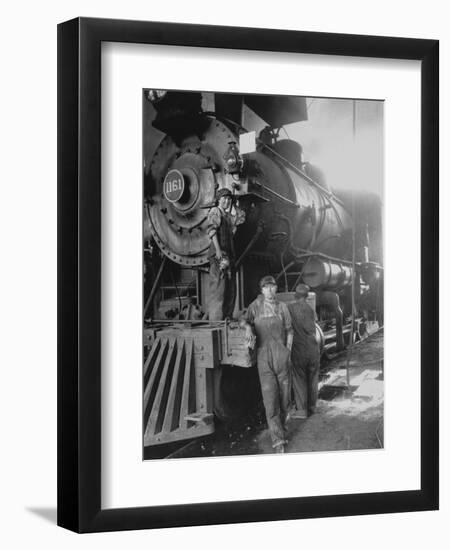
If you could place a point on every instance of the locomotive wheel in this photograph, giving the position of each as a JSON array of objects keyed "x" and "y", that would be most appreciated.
[{"x": 236, "y": 391}]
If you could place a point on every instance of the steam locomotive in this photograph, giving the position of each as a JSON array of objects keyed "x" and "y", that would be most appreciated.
[{"x": 296, "y": 228}]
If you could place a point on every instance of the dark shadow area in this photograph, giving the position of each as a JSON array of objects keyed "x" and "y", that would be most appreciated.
[{"x": 48, "y": 514}]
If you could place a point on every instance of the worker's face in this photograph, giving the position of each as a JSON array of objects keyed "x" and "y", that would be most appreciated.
[
  {"x": 269, "y": 291},
  {"x": 225, "y": 202}
]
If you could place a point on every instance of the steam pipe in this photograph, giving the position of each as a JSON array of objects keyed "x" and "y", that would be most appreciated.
[
  {"x": 250, "y": 245},
  {"x": 280, "y": 197},
  {"x": 155, "y": 285}
]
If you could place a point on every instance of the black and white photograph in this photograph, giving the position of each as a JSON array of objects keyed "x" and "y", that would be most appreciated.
[
  {"x": 263, "y": 309},
  {"x": 226, "y": 254}
]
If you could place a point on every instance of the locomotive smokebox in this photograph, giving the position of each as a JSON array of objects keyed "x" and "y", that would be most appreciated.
[{"x": 184, "y": 176}]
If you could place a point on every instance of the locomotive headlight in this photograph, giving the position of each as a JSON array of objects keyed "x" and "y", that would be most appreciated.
[
  {"x": 155, "y": 95},
  {"x": 232, "y": 158}
]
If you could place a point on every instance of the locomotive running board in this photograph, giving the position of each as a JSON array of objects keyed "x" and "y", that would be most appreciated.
[{"x": 178, "y": 386}]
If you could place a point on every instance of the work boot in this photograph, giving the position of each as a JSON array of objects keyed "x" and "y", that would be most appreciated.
[
  {"x": 279, "y": 447},
  {"x": 299, "y": 414}
]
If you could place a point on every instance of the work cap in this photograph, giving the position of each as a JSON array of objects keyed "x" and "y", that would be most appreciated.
[
  {"x": 301, "y": 291},
  {"x": 267, "y": 280},
  {"x": 224, "y": 192}
]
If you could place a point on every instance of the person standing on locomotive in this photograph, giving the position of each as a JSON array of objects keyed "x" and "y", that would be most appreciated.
[
  {"x": 305, "y": 354},
  {"x": 223, "y": 220},
  {"x": 271, "y": 322}
]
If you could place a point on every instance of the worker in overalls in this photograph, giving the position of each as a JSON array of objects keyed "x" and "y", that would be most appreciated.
[
  {"x": 270, "y": 321},
  {"x": 223, "y": 220},
  {"x": 305, "y": 354}
]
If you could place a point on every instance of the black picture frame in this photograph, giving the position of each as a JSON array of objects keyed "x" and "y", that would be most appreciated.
[{"x": 79, "y": 274}]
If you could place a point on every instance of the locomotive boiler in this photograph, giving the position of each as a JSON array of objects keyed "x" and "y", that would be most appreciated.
[{"x": 296, "y": 228}]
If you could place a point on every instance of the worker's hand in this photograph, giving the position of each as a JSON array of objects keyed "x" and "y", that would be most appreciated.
[
  {"x": 219, "y": 255},
  {"x": 224, "y": 263},
  {"x": 250, "y": 338}
]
